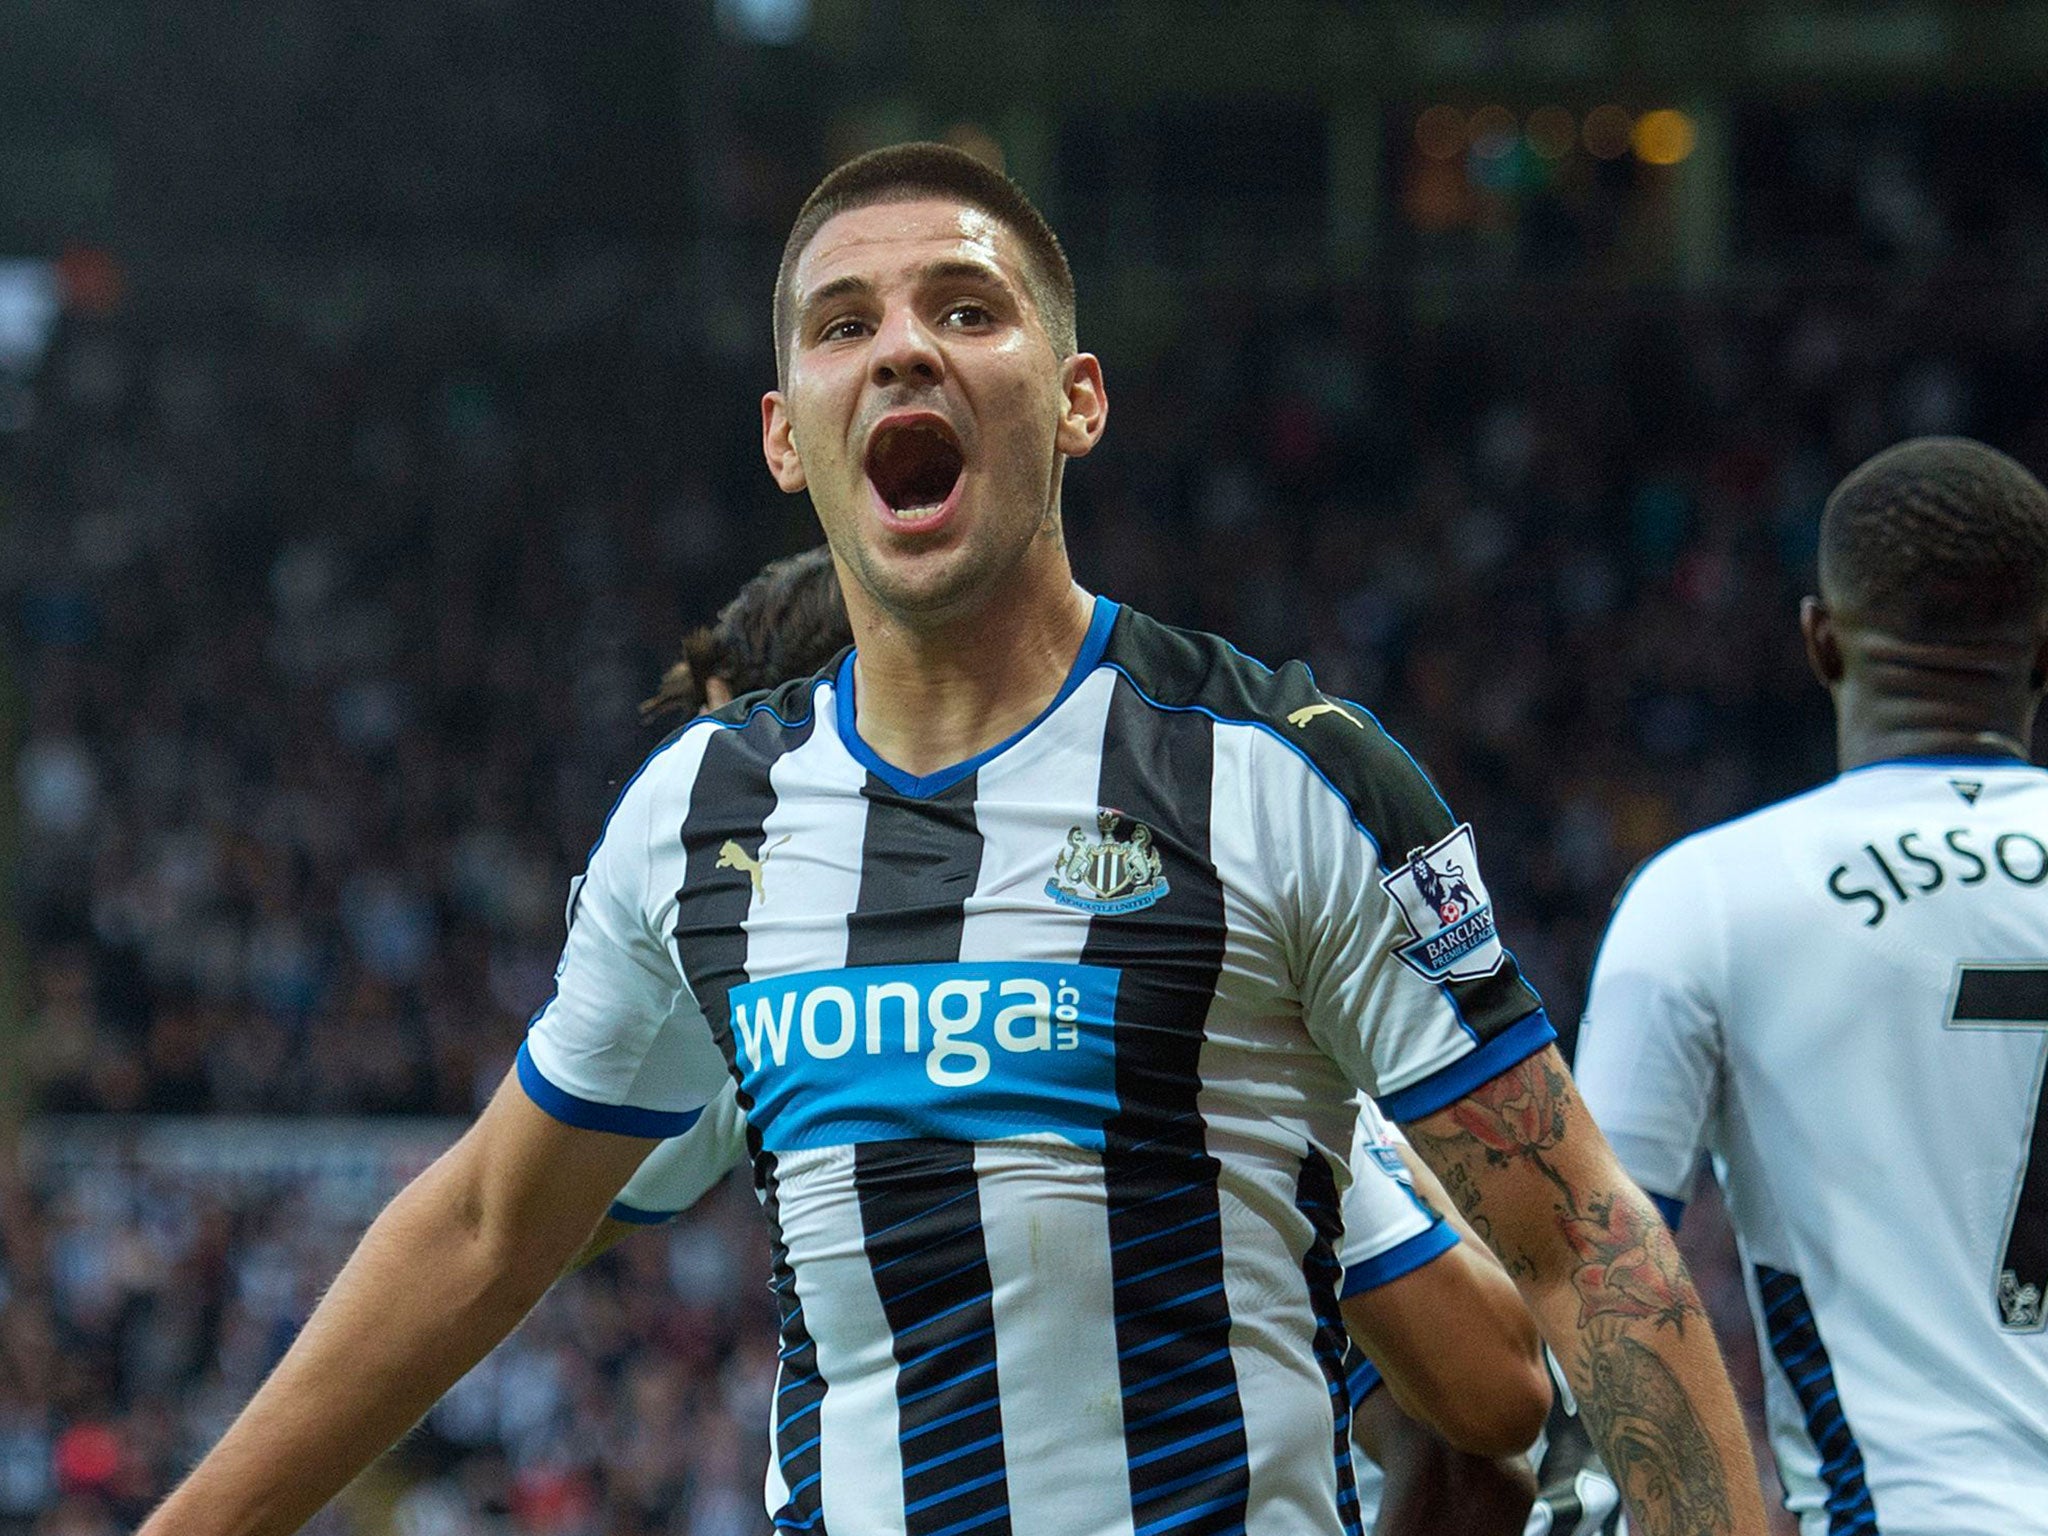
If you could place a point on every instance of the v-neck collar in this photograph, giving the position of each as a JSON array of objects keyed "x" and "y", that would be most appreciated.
[{"x": 923, "y": 786}]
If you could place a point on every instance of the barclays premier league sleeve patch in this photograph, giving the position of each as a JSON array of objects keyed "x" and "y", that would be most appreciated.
[
  {"x": 1447, "y": 911},
  {"x": 1389, "y": 1159}
]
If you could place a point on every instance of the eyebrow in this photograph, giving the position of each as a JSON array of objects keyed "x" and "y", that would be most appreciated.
[
  {"x": 949, "y": 269},
  {"x": 838, "y": 288},
  {"x": 955, "y": 269}
]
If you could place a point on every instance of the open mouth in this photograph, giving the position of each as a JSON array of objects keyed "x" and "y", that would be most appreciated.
[{"x": 914, "y": 467}]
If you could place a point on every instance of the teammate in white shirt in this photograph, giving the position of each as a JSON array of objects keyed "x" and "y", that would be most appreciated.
[
  {"x": 1049, "y": 947},
  {"x": 1844, "y": 999}
]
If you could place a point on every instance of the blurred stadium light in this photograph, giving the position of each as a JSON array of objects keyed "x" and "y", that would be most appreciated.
[
  {"x": 29, "y": 301},
  {"x": 775, "y": 22}
]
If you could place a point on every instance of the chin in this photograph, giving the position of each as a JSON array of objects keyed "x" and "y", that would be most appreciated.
[{"x": 926, "y": 586}]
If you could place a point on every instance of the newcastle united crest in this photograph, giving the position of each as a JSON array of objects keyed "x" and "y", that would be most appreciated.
[{"x": 1116, "y": 871}]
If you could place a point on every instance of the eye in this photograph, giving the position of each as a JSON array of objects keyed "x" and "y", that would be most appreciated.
[
  {"x": 968, "y": 315},
  {"x": 845, "y": 328}
]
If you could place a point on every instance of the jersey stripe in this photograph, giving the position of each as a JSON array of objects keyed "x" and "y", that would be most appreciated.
[
  {"x": 1795, "y": 1342},
  {"x": 1315, "y": 1196},
  {"x": 918, "y": 866},
  {"x": 730, "y": 803},
  {"x": 920, "y": 1204},
  {"x": 1383, "y": 789},
  {"x": 1183, "y": 1423},
  {"x": 1057, "y": 1343},
  {"x": 921, "y": 1208},
  {"x": 799, "y": 1386}
]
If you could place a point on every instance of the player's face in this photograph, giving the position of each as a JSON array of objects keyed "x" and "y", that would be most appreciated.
[{"x": 925, "y": 408}]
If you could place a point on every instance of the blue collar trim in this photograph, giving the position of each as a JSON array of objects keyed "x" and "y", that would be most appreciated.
[
  {"x": 921, "y": 788},
  {"x": 1957, "y": 760}
]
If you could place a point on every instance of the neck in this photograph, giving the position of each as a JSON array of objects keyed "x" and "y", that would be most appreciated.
[
  {"x": 929, "y": 696},
  {"x": 1877, "y": 719}
]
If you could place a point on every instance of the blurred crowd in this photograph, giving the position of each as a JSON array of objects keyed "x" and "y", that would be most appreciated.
[
  {"x": 328, "y": 633},
  {"x": 142, "y": 1301}
]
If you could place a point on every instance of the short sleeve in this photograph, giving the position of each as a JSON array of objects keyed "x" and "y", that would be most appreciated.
[
  {"x": 1649, "y": 1055},
  {"x": 1404, "y": 976},
  {"x": 1388, "y": 1231},
  {"x": 621, "y": 1045},
  {"x": 683, "y": 1169}
]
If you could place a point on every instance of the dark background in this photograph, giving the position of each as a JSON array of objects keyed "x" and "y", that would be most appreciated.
[{"x": 377, "y": 408}]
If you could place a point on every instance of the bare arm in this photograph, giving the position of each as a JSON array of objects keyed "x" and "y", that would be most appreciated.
[
  {"x": 1431, "y": 1488},
  {"x": 1430, "y": 1369},
  {"x": 1458, "y": 1351},
  {"x": 1532, "y": 1172},
  {"x": 676, "y": 1175},
  {"x": 448, "y": 1269}
]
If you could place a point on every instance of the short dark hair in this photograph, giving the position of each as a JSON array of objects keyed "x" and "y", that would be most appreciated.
[
  {"x": 1938, "y": 538},
  {"x": 905, "y": 171},
  {"x": 789, "y": 621}
]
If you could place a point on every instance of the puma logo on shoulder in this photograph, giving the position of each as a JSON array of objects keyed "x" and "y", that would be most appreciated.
[
  {"x": 733, "y": 856},
  {"x": 1300, "y": 718}
]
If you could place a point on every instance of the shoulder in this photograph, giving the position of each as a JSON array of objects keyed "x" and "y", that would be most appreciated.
[
  {"x": 1677, "y": 910},
  {"x": 786, "y": 706},
  {"x": 1185, "y": 669},
  {"x": 758, "y": 725},
  {"x": 1708, "y": 855},
  {"x": 773, "y": 719},
  {"x": 1337, "y": 742}
]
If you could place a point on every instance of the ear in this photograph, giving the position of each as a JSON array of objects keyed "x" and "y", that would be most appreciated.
[
  {"x": 1084, "y": 405},
  {"x": 778, "y": 443},
  {"x": 1823, "y": 645}
]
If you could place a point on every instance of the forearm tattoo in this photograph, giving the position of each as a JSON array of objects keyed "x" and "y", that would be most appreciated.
[
  {"x": 1627, "y": 1277},
  {"x": 1658, "y": 1451}
]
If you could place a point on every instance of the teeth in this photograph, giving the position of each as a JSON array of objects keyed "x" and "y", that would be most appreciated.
[{"x": 917, "y": 514}]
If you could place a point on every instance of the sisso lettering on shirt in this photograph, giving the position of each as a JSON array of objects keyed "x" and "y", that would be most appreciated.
[
  {"x": 968, "y": 1051},
  {"x": 1917, "y": 864}
]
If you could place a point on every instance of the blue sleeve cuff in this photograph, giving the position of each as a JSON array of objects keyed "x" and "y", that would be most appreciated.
[
  {"x": 1404, "y": 1257},
  {"x": 621, "y": 1211},
  {"x": 587, "y": 1115},
  {"x": 1518, "y": 1042},
  {"x": 1673, "y": 1211}
]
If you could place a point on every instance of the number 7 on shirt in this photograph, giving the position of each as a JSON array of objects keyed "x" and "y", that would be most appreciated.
[{"x": 2015, "y": 996}]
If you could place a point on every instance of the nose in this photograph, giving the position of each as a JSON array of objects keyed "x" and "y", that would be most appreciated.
[{"x": 905, "y": 350}]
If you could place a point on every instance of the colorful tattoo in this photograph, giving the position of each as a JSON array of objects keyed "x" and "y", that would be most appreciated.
[
  {"x": 1628, "y": 1268},
  {"x": 1627, "y": 1275}
]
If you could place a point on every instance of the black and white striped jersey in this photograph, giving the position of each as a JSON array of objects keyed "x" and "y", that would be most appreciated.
[{"x": 1049, "y": 1063}]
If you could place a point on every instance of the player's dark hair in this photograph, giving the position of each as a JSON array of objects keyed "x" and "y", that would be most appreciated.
[
  {"x": 905, "y": 171},
  {"x": 787, "y": 622},
  {"x": 1938, "y": 538}
]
